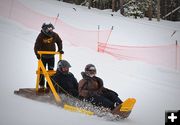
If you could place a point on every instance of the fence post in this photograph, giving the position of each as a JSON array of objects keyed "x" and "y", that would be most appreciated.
[
  {"x": 108, "y": 38},
  {"x": 98, "y": 39},
  {"x": 56, "y": 19},
  {"x": 177, "y": 56}
]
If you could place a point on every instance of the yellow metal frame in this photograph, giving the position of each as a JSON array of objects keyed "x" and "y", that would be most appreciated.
[
  {"x": 76, "y": 109},
  {"x": 41, "y": 70}
]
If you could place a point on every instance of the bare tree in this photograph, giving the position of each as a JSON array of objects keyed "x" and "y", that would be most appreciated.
[
  {"x": 166, "y": 6},
  {"x": 150, "y": 10},
  {"x": 158, "y": 10},
  {"x": 90, "y": 2},
  {"x": 122, "y": 7},
  {"x": 113, "y": 5}
]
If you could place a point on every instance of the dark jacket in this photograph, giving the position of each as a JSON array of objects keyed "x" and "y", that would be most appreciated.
[
  {"x": 47, "y": 43},
  {"x": 90, "y": 86},
  {"x": 65, "y": 82}
]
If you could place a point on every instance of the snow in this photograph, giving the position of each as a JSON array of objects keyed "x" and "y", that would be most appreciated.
[{"x": 156, "y": 88}]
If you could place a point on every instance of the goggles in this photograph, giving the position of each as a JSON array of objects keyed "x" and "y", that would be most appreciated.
[
  {"x": 49, "y": 29},
  {"x": 92, "y": 69}
]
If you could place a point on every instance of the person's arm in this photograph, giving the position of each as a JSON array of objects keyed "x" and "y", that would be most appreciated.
[
  {"x": 59, "y": 43},
  {"x": 56, "y": 81},
  {"x": 100, "y": 83},
  {"x": 75, "y": 83},
  {"x": 75, "y": 86},
  {"x": 37, "y": 46},
  {"x": 81, "y": 88},
  {"x": 102, "y": 88}
]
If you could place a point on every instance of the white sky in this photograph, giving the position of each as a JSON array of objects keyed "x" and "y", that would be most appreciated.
[{"x": 156, "y": 88}]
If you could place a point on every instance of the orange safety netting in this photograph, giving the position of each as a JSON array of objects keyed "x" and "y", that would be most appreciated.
[
  {"x": 16, "y": 11},
  {"x": 165, "y": 55}
]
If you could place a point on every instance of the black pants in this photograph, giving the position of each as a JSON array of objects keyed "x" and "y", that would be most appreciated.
[
  {"x": 106, "y": 99},
  {"x": 111, "y": 95},
  {"x": 49, "y": 62}
]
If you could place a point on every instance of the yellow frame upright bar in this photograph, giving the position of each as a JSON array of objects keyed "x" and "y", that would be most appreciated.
[
  {"x": 57, "y": 97},
  {"x": 46, "y": 74}
]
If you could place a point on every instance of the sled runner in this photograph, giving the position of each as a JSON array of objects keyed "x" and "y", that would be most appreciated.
[
  {"x": 47, "y": 97},
  {"x": 67, "y": 102}
]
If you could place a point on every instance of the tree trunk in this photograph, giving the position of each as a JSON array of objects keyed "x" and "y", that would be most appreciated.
[
  {"x": 77, "y": 2},
  {"x": 165, "y": 7},
  {"x": 100, "y": 4},
  {"x": 150, "y": 10},
  {"x": 113, "y": 5},
  {"x": 158, "y": 10},
  {"x": 90, "y": 2},
  {"x": 162, "y": 8},
  {"x": 121, "y": 7}
]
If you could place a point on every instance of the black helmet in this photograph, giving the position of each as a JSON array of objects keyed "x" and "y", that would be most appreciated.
[
  {"x": 63, "y": 66},
  {"x": 90, "y": 70},
  {"x": 47, "y": 29}
]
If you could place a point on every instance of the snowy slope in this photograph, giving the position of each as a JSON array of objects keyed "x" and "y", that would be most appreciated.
[{"x": 156, "y": 89}]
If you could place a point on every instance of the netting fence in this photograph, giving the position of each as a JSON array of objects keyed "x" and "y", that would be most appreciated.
[{"x": 163, "y": 55}]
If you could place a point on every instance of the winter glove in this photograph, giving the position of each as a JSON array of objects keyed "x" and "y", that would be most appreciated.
[
  {"x": 38, "y": 56},
  {"x": 61, "y": 52}
]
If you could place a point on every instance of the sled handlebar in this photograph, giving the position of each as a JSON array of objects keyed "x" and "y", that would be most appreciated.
[{"x": 50, "y": 52}]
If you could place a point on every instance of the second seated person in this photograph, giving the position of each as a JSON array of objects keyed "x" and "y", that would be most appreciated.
[{"x": 64, "y": 81}]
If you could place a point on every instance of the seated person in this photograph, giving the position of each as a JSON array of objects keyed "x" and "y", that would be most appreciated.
[
  {"x": 63, "y": 80},
  {"x": 91, "y": 89}
]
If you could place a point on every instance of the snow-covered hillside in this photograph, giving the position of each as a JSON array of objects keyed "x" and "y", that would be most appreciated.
[{"x": 156, "y": 88}]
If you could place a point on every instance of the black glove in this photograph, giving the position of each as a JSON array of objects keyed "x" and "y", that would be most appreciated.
[
  {"x": 61, "y": 51},
  {"x": 38, "y": 56}
]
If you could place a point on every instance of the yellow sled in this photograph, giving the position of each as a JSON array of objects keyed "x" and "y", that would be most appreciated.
[{"x": 45, "y": 95}]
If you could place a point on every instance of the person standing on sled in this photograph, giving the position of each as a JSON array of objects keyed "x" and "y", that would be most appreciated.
[
  {"x": 46, "y": 42},
  {"x": 92, "y": 90},
  {"x": 63, "y": 80}
]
